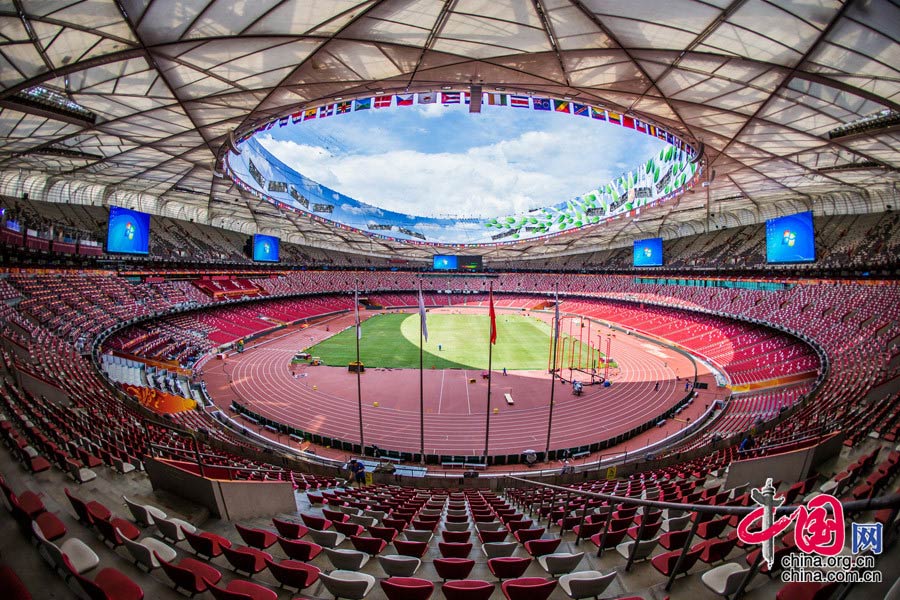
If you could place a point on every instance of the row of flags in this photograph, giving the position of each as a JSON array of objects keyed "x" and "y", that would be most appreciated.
[{"x": 570, "y": 107}]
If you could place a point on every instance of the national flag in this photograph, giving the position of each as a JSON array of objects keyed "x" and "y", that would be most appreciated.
[
  {"x": 362, "y": 104},
  {"x": 297, "y": 117},
  {"x": 344, "y": 107},
  {"x": 427, "y": 98},
  {"x": 661, "y": 133},
  {"x": 326, "y": 111},
  {"x": 627, "y": 121},
  {"x": 493, "y": 316},
  {"x": 270, "y": 125},
  {"x": 405, "y": 100},
  {"x": 670, "y": 138},
  {"x": 580, "y": 109},
  {"x": 422, "y": 316},
  {"x": 467, "y": 98},
  {"x": 598, "y": 113},
  {"x": 356, "y": 308},
  {"x": 498, "y": 100},
  {"x": 615, "y": 118},
  {"x": 518, "y": 101},
  {"x": 561, "y": 106},
  {"x": 640, "y": 126},
  {"x": 282, "y": 121},
  {"x": 310, "y": 113},
  {"x": 541, "y": 104},
  {"x": 450, "y": 98},
  {"x": 383, "y": 101}
]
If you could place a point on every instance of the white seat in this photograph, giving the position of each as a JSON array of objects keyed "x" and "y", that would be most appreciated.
[
  {"x": 122, "y": 466},
  {"x": 80, "y": 555},
  {"x": 397, "y": 565},
  {"x": 490, "y": 526},
  {"x": 348, "y": 584},
  {"x": 143, "y": 551},
  {"x": 644, "y": 548},
  {"x": 170, "y": 529},
  {"x": 362, "y": 520},
  {"x": 144, "y": 515},
  {"x": 327, "y": 539},
  {"x": 585, "y": 584},
  {"x": 676, "y": 523},
  {"x": 456, "y": 526},
  {"x": 724, "y": 580},
  {"x": 80, "y": 474},
  {"x": 347, "y": 560},
  {"x": 560, "y": 563}
]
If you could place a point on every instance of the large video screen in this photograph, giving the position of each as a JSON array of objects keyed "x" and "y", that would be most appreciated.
[
  {"x": 444, "y": 262},
  {"x": 791, "y": 239},
  {"x": 265, "y": 248},
  {"x": 128, "y": 231},
  {"x": 648, "y": 253},
  {"x": 470, "y": 263}
]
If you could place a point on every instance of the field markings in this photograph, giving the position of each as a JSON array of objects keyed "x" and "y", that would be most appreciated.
[
  {"x": 441, "y": 394},
  {"x": 466, "y": 381}
]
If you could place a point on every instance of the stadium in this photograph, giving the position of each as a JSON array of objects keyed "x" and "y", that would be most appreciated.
[{"x": 403, "y": 299}]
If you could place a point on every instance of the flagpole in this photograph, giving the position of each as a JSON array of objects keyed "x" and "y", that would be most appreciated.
[
  {"x": 421, "y": 383},
  {"x": 553, "y": 369},
  {"x": 487, "y": 418},
  {"x": 362, "y": 440}
]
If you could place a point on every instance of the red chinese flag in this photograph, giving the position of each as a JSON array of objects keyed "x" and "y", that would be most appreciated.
[{"x": 493, "y": 320}]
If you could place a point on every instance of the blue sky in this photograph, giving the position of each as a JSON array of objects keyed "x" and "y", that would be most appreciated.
[{"x": 435, "y": 160}]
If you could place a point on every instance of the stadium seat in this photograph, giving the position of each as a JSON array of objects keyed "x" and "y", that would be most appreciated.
[
  {"x": 288, "y": 529},
  {"x": 453, "y": 568},
  {"x": 347, "y": 560},
  {"x": 397, "y": 565},
  {"x": 293, "y": 573},
  {"x": 560, "y": 563},
  {"x": 144, "y": 515},
  {"x": 256, "y": 538},
  {"x": 80, "y": 555},
  {"x": 190, "y": 574},
  {"x": 144, "y": 552},
  {"x": 586, "y": 584},
  {"x": 299, "y": 549},
  {"x": 467, "y": 589},
  {"x": 407, "y": 588},
  {"x": 205, "y": 543},
  {"x": 369, "y": 545},
  {"x": 108, "y": 584},
  {"x": 508, "y": 567},
  {"x": 244, "y": 558},
  {"x": 349, "y": 585},
  {"x": 411, "y": 548},
  {"x": 241, "y": 590},
  {"x": 528, "y": 588}
]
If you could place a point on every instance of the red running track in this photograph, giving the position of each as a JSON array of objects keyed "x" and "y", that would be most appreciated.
[{"x": 325, "y": 400}]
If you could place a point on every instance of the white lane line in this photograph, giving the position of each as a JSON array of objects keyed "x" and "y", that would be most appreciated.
[{"x": 441, "y": 396}]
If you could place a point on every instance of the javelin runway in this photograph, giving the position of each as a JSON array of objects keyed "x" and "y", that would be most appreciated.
[{"x": 323, "y": 400}]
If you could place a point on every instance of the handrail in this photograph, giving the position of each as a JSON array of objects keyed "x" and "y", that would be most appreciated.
[{"x": 853, "y": 506}]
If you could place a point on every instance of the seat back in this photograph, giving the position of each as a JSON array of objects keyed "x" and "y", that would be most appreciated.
[
  {"x": 139, "y": 552},
  {"x": 81, "y": 509},
  {"x": 563, "y": 563},
  {"x": 589, "y": 587},
  {"x": 225, "y": 594},
  {"x": 528, "y": 588}
]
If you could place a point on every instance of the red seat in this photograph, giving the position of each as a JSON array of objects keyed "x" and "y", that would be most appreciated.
[
  {"x": 613, "y": 539},
  {"x": 806, "y": 591},
  {"x": 421, "y": 524},
  {"x": 713, "y": 528},
  {"x": 453, "y": 568},
  {"x": 256, "y": 538},
  {"x": 299, "y": 550},
  {"x": 459, "y": 537},
  {"x": 315, "y": 522},
  {"x": 190, "y": 574},
  {"x": 15, "y": 588},
  {"x": 468, "y": 589},
  {"x": 526, "y": 535},
  {"x": 348, "y": 529},
  {"x": 528, "y": 588},
  {"x": 587, "y": 530},
  {"x": 206, "y": 543},
  {"x": 29, "y": 501},
  {"x": 492, "y": 536},
  {"x": 665, "y": 563},
  {"x": 398, "y": 524},
  {"x": 109, "y": 584},
  {"x": 113, "y": 529},
  {"x": 50, "y": 525},
  {"x": 87, "y": 511},
  {"x": 241, "y": 590},
  {"x": 508, "y": 567},
  {"x": 407, "y": 548},
  {"x": 455, "y": 549},
  {"x": 407, "y": 588},
  {"x": 716, "y": 550},
  {"x": 674, "y": 539},
  {"x": 369, "y": 545},
  {"x": 335, "y": 516},
  {"x": 293, "y": 573},
  {"x": 292, "y": 531},
  {"x": 385, "y": 533},
  {"x": 248, "y": 560},
  {"x": 541, "y": 547},
  {"x": 514, "y": 526}
]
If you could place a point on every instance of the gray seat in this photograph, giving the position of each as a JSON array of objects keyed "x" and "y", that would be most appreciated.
[
  {"x": 327, "y": 539},
  {"x": 676, "y": 523},
  {"x": 499, "y": 549},
  {"x": 397, "y": 565},
  {"x": 430, "y": 512},
  {"x": 456, "y": 526},
  {"x": 349, "y": 510},
  {"x": 491, "y": 526},
  {"x": 585, "y": 584},
  {"x": 122, "y": 466},
  {"x": 418, "y": 535},
  {"x": 362, "y": 520},
  {"x": 724, "y": 580},
  {"x": 143, "y": 552},
  {"x": 170, "y": 529},
  {"x": 80, "y": 474},
  {"x": 348, "y": 584},
  {"x": 80, "y": 555},
  {"x": 560, "y": 563},
  {"x": 457, "y": 513},
  {"x": 643, "y": 551},
  {"x": 347, "y": 560},
  {"x": 144, "y": 515},
  {"x": 378, "y": 515}
]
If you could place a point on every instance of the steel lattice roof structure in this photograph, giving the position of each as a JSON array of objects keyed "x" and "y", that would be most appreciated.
[{"x": 160, "y": 87}]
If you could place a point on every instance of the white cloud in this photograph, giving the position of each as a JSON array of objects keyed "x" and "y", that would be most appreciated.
[{"x": 531, "y": 169}]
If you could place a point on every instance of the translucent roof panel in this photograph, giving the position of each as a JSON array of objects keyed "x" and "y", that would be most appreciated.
[{"x": 760, "y": 85}]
